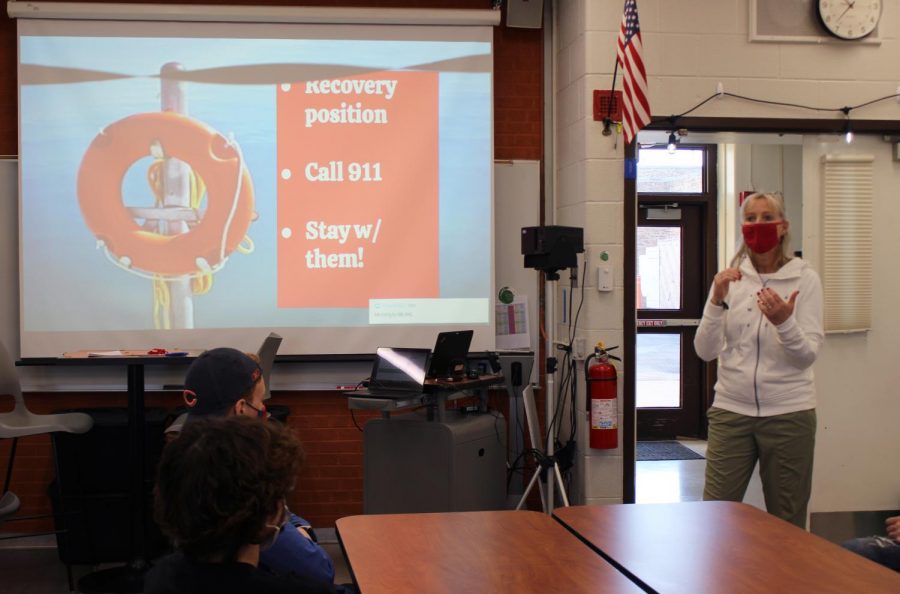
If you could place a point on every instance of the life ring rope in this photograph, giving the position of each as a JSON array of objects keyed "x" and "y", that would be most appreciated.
[
  {"x": 161, "y": 299},
  {"x": 201, "y": 282},
  {"x": 237, "y": 194},
  {"x": 246, "y": 246},
  {"x": 198, "y": 189}
]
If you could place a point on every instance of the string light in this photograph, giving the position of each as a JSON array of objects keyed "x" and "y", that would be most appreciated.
[
  {"x": 848, "y": 131},
  {"x": 673, "y": 144}
]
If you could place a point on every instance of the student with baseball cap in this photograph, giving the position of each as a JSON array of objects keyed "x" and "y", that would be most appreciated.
[{"x": 227, "y": 382}]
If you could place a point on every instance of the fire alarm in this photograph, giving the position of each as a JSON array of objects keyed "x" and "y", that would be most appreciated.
[{"x": 602, "y": 107}]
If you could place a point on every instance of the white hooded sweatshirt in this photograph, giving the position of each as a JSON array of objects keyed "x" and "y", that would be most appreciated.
[{"x": 764, "y": 370}]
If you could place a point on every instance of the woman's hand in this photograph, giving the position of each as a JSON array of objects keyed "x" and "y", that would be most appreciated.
[
  {"x": 774, "y": 307},
  {"x": 721, "y": 282}
]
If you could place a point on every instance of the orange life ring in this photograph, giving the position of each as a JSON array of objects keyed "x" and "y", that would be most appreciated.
[{"x": 214, "y": 159}]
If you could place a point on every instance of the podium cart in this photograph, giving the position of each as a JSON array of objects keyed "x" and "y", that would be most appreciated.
[{"x": 433, "y": 459}]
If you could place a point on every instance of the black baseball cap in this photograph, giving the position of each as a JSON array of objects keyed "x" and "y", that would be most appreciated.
[{"x": 217, "y": 379}]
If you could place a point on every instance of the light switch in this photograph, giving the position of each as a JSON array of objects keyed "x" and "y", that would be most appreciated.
[{"x": 605, "y": 281}]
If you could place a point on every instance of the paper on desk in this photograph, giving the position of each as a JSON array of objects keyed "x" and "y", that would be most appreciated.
[
  {"x": 106, "y": 354},
  {"x": 512, "y": 324}
]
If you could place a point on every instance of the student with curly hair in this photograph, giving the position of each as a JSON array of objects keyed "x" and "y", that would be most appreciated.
[
  {"x": 220, "y": 496},
  {"x": 227, "y": 382}
]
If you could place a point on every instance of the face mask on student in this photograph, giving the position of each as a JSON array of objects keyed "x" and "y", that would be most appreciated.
[
  {"x": 276, "y": 531},
  {"x": 761, "y": 237}
]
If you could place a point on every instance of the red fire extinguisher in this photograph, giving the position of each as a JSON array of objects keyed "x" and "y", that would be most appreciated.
[{"x": 602, "y": 398}]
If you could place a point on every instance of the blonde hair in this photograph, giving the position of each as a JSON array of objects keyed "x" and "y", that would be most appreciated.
[{"x": 776, "y": 201}]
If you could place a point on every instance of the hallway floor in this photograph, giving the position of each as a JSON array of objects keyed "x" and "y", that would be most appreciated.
[{"x": 672, "y": 481}]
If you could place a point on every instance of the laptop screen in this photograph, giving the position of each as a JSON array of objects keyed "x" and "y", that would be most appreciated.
[
  {"x": 399, "y": 369},
  {"x": 449, "y": 356}
]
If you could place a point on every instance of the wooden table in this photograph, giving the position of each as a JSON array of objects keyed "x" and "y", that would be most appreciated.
[
  {"x": 472, "y": 552},
  {"x": 720, "y": 546}
]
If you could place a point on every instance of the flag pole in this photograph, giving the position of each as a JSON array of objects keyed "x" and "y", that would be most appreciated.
[{"x": 612, "y": 98}]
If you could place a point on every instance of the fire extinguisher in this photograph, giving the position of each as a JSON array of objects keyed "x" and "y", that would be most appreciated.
[{"x": 602, "y": 398}]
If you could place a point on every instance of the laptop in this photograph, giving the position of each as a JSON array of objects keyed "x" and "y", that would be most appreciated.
[
  {"x": 448, "y": 358},
  {"x": 398, "y": 372}
]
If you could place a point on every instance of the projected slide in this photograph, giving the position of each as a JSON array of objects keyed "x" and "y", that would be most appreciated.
[{"x": 183, "y": 183}]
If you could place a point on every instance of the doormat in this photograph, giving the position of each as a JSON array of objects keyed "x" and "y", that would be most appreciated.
[{"x": 664, "y": 450}]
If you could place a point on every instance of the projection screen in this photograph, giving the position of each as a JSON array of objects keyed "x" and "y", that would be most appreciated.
[{"x": 196, "y": 184}]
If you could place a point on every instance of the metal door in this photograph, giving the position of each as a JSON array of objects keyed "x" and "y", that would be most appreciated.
[{"x": 675, "y": 253}]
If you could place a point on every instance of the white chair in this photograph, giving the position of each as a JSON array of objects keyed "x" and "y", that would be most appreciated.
[
  {"x": 21, "y": 422},
  {"x": 266, "y": 354}
]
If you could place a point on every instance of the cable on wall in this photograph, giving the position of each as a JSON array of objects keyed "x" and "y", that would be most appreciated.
[{"x": 845, "y": 109}]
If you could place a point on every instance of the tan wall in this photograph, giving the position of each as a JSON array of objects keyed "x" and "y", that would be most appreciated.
[{"x": 690, "y": 46}]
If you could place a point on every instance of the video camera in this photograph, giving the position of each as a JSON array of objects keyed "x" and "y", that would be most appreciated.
[{"x": 552, "y": 248}]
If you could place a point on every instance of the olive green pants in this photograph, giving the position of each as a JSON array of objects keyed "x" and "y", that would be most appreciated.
[{"x": 784, "y": 446}]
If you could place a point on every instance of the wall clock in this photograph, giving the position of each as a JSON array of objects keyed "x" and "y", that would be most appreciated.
[
  {"x": 849, "y": 19},
  {"x": 798, "y": 21}
]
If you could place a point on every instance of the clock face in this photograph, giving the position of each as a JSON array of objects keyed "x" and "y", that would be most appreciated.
[{"x": 850, "y": 19}]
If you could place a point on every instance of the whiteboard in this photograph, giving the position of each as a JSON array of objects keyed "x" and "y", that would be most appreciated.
[
  {"x": 9, "y": 256},
  {"x": 516, "y": 204}
]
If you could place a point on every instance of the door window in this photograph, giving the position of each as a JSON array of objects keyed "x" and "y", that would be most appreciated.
[
  {"x": 659, "y": 268},
  {"x": 662, "y": 172},
  {"x": 658, "y": 370}
]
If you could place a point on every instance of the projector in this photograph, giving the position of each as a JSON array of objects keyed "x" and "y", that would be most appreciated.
[{"x": 552, "y": 248}]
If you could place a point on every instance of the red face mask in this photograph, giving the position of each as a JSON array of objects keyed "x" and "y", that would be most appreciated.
[{"x": 761, "y": 237}]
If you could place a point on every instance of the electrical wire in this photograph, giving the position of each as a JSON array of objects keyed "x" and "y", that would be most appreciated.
[
  {"x": 353, "y": 416},
  {"x": 557, "y": 407},
  {"x": 359, "y": 385},
  {"x": 573, "y": 426},
  {"x": 845, "y": 109},
  {"x": 867, "y": 103},
  {"x": 708, "y": 99},
  {"x": 567, "y": 384}
]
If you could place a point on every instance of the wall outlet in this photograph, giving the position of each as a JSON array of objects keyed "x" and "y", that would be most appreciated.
[{"x": 578, "y": 348}]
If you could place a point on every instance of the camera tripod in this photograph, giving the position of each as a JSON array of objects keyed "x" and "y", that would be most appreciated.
[
  {"x": 546, "y": 462},
  {"x": 548, "y": 249}
]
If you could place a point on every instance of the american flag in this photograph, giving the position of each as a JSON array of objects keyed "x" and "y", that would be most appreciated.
[{"x": 636, "y": 112}]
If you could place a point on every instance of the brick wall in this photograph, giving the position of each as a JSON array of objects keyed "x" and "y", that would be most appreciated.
[
  {"x": 517, "y": 76},
  {"x": 330, "y": 486}
]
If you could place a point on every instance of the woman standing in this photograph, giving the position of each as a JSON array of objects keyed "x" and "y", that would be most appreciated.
[{"x": 763, "y": 321}]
